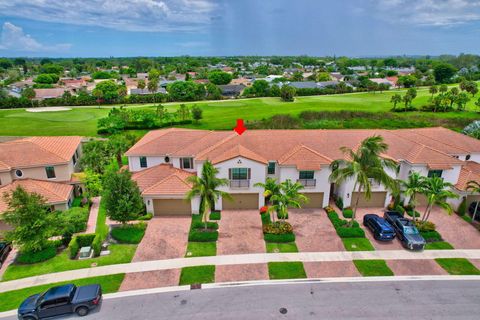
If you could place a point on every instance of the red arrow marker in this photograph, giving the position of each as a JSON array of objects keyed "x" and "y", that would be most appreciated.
[{"x": 240, "y": 128}]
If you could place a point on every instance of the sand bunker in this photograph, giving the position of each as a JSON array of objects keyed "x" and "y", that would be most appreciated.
[{"x": 48, "y": 109}]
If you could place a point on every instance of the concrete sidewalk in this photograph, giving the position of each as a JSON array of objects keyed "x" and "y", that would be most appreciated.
[
  {"x": 92, "y": 218},
  {"x": 235, "y": 260}
]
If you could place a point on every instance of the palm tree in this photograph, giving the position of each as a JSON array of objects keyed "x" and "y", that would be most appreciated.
[
  {"x": 474, "y": 187},
  {"x": 396, "y": 98},
  {"x": 414, "y": 185},
  {"x": 271, "y": 188},
  {"x": 437, "y": 192},
  {"x": 364, "y": 165},
  {"x": 206, "y": 187},
  {"x": 289, "y": 196}
]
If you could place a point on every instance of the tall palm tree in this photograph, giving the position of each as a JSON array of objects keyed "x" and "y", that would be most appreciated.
[
  {"x": 364, "y": 165},
  {"x": 206, "y": 187},
  {"x": 271, "y": 188},
  {"x": 437, "y": 192},
  {"x": 289, "y": 196},
  {"x": 474, "y": 187},
  {"x": 413, "y": 186}
]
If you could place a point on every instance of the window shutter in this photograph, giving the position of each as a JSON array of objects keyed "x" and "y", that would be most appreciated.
[
  {"x": 230, "y": 173},
  {"x": 249, "y": 173}
]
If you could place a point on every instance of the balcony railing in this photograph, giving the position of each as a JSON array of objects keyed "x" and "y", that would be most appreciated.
[
  {"x": 307, "y": 182},
  {"x": 244, "y": 183}
]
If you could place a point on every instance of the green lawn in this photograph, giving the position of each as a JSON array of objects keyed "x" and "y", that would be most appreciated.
[
  {"x": 439, "y": 245},
  {"x": 357, "y": 244},
  {"x": 201, "y": 249},
  {"x": 129, "y": 233},
  {"x": 221, "y": 115},
  {"x": 458, "y": 266},
  {"x": 286, "y": 270},
  {"x": 11, "y": 300},
  {"x": 119, "y": 253},
  {"x": 273, "y": 247},
  {"x": 373, "y": 268},
  {"x": 196, "y": 275}
]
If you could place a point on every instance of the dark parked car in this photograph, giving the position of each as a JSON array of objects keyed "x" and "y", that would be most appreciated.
[
  {"x": 471, "y": 210},
  {"x": 61, "y": 300},
  {"x": 381, "y": 229},
  {"x": 5, "y": 249},
  {"x": 407, "y": 233}
]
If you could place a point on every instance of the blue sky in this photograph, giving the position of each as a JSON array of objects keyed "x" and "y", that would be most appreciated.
[{"x": 96, "y": 28}]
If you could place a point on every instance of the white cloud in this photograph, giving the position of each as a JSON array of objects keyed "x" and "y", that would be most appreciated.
[
  {"x": 133, "y": 15},
  {"x": 15, "y": 39},
  {"x": 429, "y": 12}
]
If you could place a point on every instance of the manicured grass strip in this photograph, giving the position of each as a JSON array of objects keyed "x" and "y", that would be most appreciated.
[
  {"x": 439, "y": 245},
  {"x": 373, "y": 268},
  {"x": 119, "y": 253},
  {"x": 357, "y": 244},
  {"x": 11, "y": 300},
  {"x": 281, "y": 247},
  {"x": 196, "y": 275},
  {"x": 201, "y": 249},
  {"x": 286, "y": 270},
  {"x": 129, "y": 233},
  {"x": 458, "y": 266}
]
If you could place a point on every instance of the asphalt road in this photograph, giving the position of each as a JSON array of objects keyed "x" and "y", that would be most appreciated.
[{"x": 382, "y": 300}]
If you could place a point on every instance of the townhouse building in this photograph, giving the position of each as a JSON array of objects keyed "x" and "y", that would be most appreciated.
[{"x": 163, "y": 159}]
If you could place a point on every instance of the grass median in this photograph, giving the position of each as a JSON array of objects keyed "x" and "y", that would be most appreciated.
[
  {"x": 373, "y": 268},
  {"x": 458, "y": 266}
]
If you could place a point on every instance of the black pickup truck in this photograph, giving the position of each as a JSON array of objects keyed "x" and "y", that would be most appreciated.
[
  {"x": 61, "y": 300},
  {"x": 407, "y": 233}
]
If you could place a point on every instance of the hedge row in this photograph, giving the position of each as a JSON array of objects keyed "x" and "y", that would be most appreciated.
[
  {"x": 39, "y": 256},
  {"x": 279, "y": 238},
  {"x": 340, "y": 226},
  {"x": 79, "y": 241}
]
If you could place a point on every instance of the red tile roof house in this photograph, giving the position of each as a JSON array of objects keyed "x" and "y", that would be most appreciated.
[
  {"x": 163, "y": 159},
  {"x": 43, "y": 165}
]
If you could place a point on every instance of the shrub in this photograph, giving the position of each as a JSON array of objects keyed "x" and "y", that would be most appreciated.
[
  {"x": 211, "y": 225},
  {"x": 467, "y": 218},
  {"x": 76, "y": 218},
  {"x": 279, "y": 238},
  {"x": 85, "y": 240},
  {"x": 39, "y": 256},
  {"x": 400, "y": 209},
  {"x": 425, "y": 226},
  {"x": 410, "y": 213},
  {"x": 73, "y": 248},
  {"x": 462, "y": 208},
  {"x": 130, "y": 233},
  {"x": 282, "y": 216},
  {"x": 197, "y": 235},
  {"x": 145, "y": 217},
  {"x": 263, "y": 209},
  {"x": 350, "y": 232},
  {"x": 215, "y": 215},
  {"x": 347, "y": 213},
  {"x": 431, "y": 236},
  {"x": 278, "y": 227},
  {"x": 265, "y": 218},
  {"x": 339, "y": 202},
  {"x": 97, "y": 244}
]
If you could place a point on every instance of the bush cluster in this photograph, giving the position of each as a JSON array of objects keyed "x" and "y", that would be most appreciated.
[
  {"x": 277, "y": 227},
  {"x": 425, "y": 226},
  {"x": 340, "y": 226},
  {"x": 39, "y": 256},
  {"x": 211, "y": 225},
  {"x": 79, "y": 241},
  {"x": 347, "y": 213},
  {"x": 279, "y": 238},
  {"x": 215, "y": 215},
  {"x": 145, "y": 217}
]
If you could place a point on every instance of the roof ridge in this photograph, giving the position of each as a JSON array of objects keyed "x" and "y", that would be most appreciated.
[
  {"x": 419, "y": 132},
  {"x": 297, "y": 148},
  {"x": 215, "y": 145}
]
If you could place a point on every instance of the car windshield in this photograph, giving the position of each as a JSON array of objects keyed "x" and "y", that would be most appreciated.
[{"x": 411, "y": 230}]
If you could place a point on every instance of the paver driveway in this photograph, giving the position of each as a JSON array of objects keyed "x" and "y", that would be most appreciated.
[
  {"x": 241, "y": 272},
  {"x": 240, "y": 231},
  {"x": 415, "y": 267},
  {"x": 327, "y": 269},
  {"x": 314, "y": 231},
  {"x": 165, "y": 238},
  {"x": 460, "y": 234},
  {"x": 378, "y": 245}
]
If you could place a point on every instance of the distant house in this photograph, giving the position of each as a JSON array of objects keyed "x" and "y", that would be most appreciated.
[
  {"x": 382, "y": 81},
  {"x": 142, "y": 75},
  {"x": 232, "y": 90},
  {"x": 246, "y": 82},
  {"x": 41, "y": 94},
  {"x": 312, "y": 84},
  {"x": 146, "y": 91},
  {"x": 337, "y": 76},
  {"x": 272, "y": 77}
]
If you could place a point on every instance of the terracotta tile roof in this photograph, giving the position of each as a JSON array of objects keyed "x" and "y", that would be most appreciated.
[
  {"x": 304, "y": 158},
  {"x": 239, "y": 151},
  {"x": 36, "y": 151},
  {"x": 162, "y": 179},
  {"x": 49, "y": 93},
  {"x": 470, "y": 171},
  {"x": 272, "y": 145},
  {"x": 53, "y": 192}
]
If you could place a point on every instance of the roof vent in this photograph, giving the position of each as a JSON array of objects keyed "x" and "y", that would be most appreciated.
[{"x": 167, "y": 159}]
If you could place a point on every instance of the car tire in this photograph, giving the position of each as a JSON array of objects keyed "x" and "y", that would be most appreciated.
[
  {"x": 82, "y": 311},
  {"x": 29, "y": 318}
]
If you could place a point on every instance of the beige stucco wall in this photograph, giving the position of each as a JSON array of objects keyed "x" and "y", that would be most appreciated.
[
  {"x": 62, "y": 173},
  {"x": 5, "y": 178}
]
